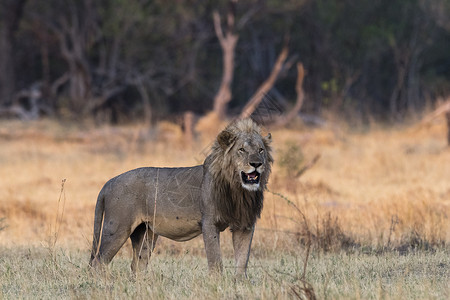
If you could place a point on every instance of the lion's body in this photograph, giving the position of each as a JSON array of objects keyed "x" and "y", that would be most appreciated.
[
  {"x": 177, "y": 192},
  {"x": 182, "y": 203}
]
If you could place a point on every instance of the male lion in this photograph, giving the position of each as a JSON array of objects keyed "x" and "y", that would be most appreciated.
[{"x": 182, "y": 203}]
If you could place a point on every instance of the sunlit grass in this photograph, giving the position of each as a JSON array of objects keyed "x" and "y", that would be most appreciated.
[
  {"x": 365, "y": 180},
  {"x": 34, "y": 273}
]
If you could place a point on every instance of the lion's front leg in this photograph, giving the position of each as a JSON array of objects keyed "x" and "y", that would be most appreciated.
[
  {"x": 242, "y": 241},
  {"x": 211, "y": 237}
]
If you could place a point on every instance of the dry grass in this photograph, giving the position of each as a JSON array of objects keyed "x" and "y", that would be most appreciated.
[
  {"x": 369, "y": 192},
  {"x": 32, "y": 273},
  {"x": 382, "y": 186}
]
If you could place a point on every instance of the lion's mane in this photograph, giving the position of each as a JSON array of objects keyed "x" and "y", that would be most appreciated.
[{"x": 234, "y": 205}]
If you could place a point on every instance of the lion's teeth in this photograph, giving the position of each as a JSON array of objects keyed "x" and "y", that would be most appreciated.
[{"x": 252, "y": 177}]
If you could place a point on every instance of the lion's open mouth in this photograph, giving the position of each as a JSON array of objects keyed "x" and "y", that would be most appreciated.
[{"x": 250, "y": 178}]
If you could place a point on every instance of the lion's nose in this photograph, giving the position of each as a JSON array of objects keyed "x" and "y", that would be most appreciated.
[{"x": 255, "y": 164}]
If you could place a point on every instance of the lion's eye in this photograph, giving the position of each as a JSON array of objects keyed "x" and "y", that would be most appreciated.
[
  {"x": 241, "y": 150},
  {"x": 261, "y": 150}
]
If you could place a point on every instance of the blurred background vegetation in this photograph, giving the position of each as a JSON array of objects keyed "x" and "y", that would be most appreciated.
[{"x": 118, "y": 61}]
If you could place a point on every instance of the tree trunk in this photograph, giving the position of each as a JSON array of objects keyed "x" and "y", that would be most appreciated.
[
  {"x": 228, "y": 43},
  {"x": 10, "y": 14},
  {"x": 188, "y": 122}
]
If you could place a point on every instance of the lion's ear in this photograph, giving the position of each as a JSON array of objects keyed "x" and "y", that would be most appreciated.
[
  {"x": 268, "y": 139},
  {"x": 225, "y": 139}
]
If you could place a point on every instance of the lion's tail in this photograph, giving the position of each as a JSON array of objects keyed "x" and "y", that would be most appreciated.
[{"x": 98, "y": 222}]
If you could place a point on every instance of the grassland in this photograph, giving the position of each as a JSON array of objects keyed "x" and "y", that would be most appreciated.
[
  {"x": 34, "y": 273},
  {"x": 374, "y": 208}
]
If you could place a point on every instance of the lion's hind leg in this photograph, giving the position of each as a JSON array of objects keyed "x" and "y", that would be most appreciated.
[
  {"x": 143, "y": 240},
  {"x": 114, "y": 235}
]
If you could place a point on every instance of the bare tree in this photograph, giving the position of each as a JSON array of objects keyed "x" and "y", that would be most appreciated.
[
  {"x": 76, "y": 35},
  {"x": 228, "y": 41},
  {"x": 79, "y": 31}
]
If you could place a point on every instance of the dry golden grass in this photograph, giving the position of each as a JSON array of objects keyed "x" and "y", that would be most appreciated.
[
  {"x": 383, "y": 188},
  {"x": 36, "y": 274}
]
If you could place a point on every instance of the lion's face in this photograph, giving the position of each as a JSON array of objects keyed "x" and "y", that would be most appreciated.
[
  {"x": 250, "y": 160},
  {"x": 246, "y": 157}
]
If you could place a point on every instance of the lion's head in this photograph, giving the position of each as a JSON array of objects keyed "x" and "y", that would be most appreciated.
[
  {"x": 240, "y": 164},
  {"x": 246, "y": 154}
]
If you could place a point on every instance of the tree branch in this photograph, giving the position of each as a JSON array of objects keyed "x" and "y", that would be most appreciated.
[
  {"x": 266, "y": 85},
  {"x": 218, "y": 27}
]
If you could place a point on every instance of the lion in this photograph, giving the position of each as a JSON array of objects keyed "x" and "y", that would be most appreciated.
[{"x": 182, "y": 203}]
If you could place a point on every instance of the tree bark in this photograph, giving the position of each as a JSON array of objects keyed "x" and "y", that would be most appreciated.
[{"x": 228, "y": 43}]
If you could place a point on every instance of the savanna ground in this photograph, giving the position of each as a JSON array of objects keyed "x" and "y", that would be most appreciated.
[{"x": 373, "y": 211}]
